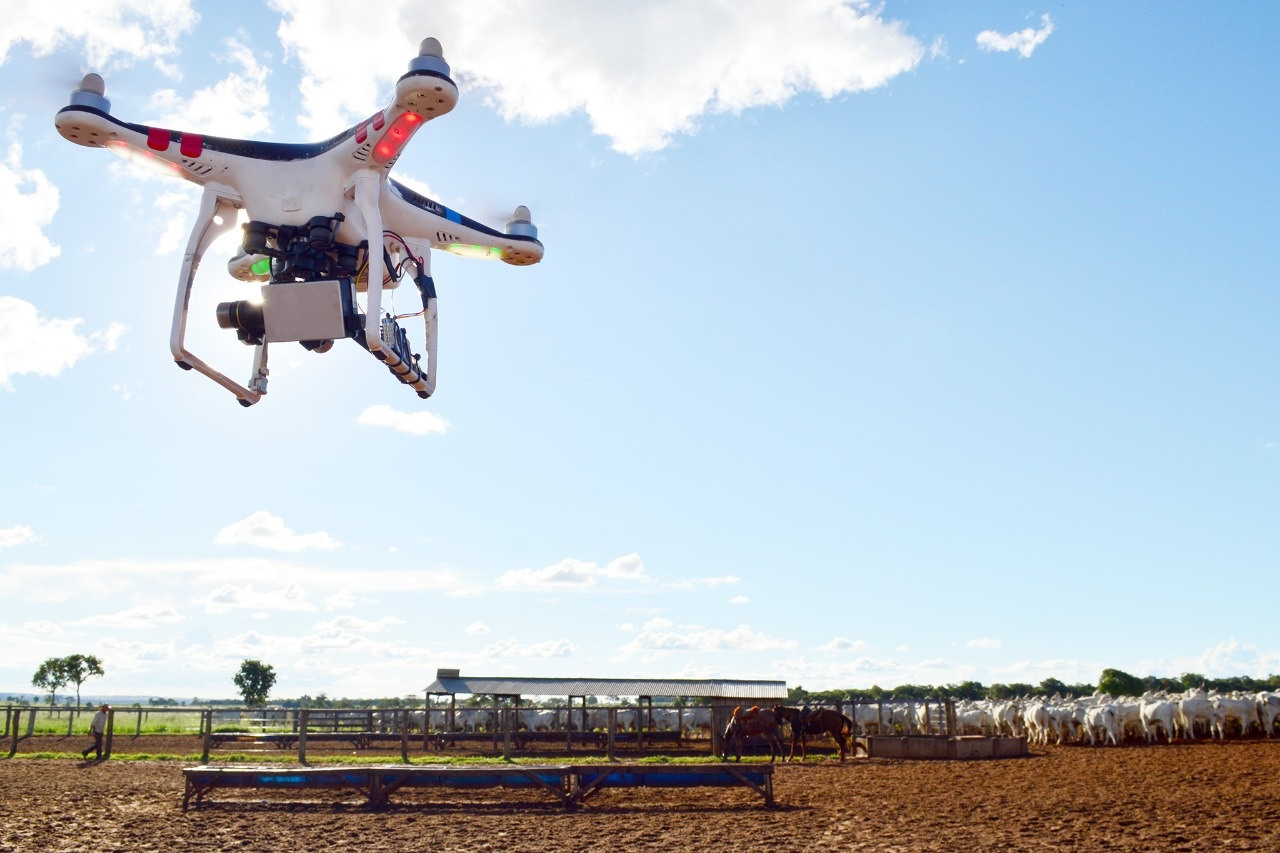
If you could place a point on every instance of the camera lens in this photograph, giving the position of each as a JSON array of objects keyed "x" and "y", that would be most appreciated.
[{"x": 245, "y": 317}]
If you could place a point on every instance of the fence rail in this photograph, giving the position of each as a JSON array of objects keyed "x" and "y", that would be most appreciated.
[{"x": 434, "y": 727}]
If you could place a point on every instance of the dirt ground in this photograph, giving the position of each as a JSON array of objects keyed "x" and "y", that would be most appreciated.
[{"x": 1203, "y": 796}]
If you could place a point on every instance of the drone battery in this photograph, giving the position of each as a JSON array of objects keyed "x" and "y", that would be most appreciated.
[{"x": 304, "y": 311}]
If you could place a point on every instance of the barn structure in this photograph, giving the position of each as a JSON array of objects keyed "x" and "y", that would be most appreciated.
[{"x": 718, "y": 692}]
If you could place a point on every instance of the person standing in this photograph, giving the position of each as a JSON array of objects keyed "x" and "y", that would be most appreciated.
[{"x": 97, "y": 727}]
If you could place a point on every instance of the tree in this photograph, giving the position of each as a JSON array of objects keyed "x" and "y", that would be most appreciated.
[
  {"x": 1118, "y": 683},
  {"x": 55, "y": 673},
  {"x": 52, "y": 675},
  {"x": 254, "y": 681},
  {"x": 80, "y": 668}
]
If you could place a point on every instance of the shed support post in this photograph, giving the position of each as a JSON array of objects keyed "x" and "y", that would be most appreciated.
[{"x": 612, "y": 716}]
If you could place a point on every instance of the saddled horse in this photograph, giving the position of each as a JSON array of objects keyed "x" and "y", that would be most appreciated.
[
  {"x": 821, "y": 721},
  {"x": 749, "y": 723}
]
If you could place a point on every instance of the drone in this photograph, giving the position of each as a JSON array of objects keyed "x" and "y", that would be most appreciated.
[{"x": 326, "y": 226}]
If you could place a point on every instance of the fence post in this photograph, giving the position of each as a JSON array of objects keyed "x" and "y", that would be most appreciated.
[
  {"x": 16, "y": 714},
  {"x": 404, "y": 734},
  {"x": 303, "y": 713},
  {"x": 206, "y": 723},
  {"x": 111, "y": 729}
]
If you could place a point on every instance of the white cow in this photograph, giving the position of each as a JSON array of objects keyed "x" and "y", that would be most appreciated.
[
  {"x": 867, "y": 716},
  {"x": 1157, "y": 715},
  {"x": 1101, "y": 720},
  {"x": 1036, "y": 718},
  {"x": 1008, "y": 718},
  {"x": 1194, "y": 707},
  {"x": 974, "y": 719},
  {"x": 1241, "y": 710},
  {"x": 1268, "y": 711},
  {"x": 697, "y": 721},
  {"x": 1129, "y": 718}
]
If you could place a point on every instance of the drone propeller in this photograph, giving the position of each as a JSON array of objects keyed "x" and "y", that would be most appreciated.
[{"x": 91, "y": 93}]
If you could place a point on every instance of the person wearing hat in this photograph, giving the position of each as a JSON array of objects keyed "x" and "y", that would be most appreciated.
[{"x": 97, "y": 727}]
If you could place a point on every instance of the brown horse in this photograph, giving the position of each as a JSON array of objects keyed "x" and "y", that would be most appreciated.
[
  {"x": 820, "y": 721},
  {"x": 753, "y": 722}
]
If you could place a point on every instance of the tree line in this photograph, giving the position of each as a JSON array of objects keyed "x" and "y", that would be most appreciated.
[{"x": 1113, "y": 682}]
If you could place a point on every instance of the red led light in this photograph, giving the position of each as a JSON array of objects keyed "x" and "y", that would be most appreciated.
[
  {"x": 157, "y": 139},
  {"x": 396, "y": 136}
]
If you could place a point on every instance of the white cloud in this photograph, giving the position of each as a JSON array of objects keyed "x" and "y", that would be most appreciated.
[
  {"x": 477, "y": 628},
  {"x": 983, "y": 643},
  {"x": 268, "y": 531},
  {"x": 703, "y": 640},
  {"x": 414, "y": 423},
  {"x": 843, "y": 644},
  {"x": 516, "y": 649},
  {"x": 1024, "y": 41},
  {"x": 235, "y": 106},
  {"x": 342, "y": 600},
  {"x": 41, "y": 628},
  {"x": 691, "y": 583},
  {"x": 739, "y": 599},
  {"x": 44, "y": 346},
  {"x": 227, "y": 597},
  {"x": 47, "y": 583},
  {"x": 630, "y": 567},
  {"x": 642, "y": 73},
  {"x": 12, "y": 537},
  {"x": 354, "y": 623},
  {"x": 575, "y": 574},
  {"x": 28, "y": 201},
  {"x": 108, "y": 30},
  {"x": 173, "y": 207},
  {"x": 142, "y": 616}
]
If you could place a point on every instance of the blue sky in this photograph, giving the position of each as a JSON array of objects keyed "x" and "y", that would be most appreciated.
[{"x": 916, "y": 342}]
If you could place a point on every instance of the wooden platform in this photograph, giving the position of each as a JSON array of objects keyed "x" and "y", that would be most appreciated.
[{"x": 570, "y": 784}]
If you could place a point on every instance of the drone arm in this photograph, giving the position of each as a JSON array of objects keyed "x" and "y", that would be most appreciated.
[
  {"x": 414, "y": 215},
  {"x": 217, "y": 215}
]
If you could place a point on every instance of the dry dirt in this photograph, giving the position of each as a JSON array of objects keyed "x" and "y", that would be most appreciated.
[{"x": 1204, "y": 796}]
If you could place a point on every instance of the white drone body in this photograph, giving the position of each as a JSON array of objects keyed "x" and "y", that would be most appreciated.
[{"x": 326, "y": 224}]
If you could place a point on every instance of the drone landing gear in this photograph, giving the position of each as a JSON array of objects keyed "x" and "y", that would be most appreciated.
[{"x": 217, "y": 215}]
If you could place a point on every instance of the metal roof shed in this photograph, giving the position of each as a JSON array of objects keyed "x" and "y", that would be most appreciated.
[{"x": 450, "y": 682}]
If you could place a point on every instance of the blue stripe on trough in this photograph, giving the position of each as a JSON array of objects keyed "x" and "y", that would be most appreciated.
[{"x": 569, "y": 784}]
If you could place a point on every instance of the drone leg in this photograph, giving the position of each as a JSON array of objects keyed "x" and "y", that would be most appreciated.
[
  {"x": 367, "y": 193},
  {"x": 430, "y": 317},
  {"x": 217, "y": 216}
]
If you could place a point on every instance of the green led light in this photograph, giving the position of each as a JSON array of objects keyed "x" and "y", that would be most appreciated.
[
  {"x": 467, "y": 250},
  {"x": 262, "y": 267}
]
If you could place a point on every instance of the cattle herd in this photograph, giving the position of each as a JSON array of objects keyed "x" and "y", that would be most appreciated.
[
  {"x": 1097, "y": 719},
  {"x": 1102, "y": 719}
]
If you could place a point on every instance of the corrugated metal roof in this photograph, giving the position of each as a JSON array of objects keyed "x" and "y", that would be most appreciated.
[{"x": 712, "y": 688}]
